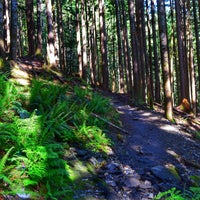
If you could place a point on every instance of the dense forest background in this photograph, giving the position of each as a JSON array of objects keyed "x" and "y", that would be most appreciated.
[
  {"x": 55, "y": 54},
  {"x": 147, "y": 49}
]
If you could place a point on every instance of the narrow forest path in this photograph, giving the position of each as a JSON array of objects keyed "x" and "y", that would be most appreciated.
[{"x": 155, "y": 156}]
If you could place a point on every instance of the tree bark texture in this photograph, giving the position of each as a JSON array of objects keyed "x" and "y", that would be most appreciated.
[
  {"x": 51, "y": 61},
  {"x": 30, "y": 26},
  {"x": 103, "y": 40},
  {"x": 14, "y": 29},
  {"x": 165, "y": 59}
]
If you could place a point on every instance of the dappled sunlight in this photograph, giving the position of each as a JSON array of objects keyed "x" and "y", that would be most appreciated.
[
  {"x": 61, "y": 139},
  {"x": 80, "y": 170},
  {"x": 146, "y": 114},
  {"x": 174, "y": 154},
  {"x": 19, "y": 75},
  {"x": 21, "y": 81},
  {"x": 17, "y": 72},
  {"x": 44, "y": 123},
  {"x": 169, "y": 128}
]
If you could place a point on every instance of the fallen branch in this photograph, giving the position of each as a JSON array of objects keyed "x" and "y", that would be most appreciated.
[
  {"x": 110, "y": 123},
  {"x": 189, "y": 117},
  {"x": 182, "y": 113}
]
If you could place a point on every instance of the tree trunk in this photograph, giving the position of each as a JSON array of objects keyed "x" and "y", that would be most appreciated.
[
  {"x": 149, "y": 71},
  {"x": 121, "y": 71},
  {"x": 14, "y": 29},
  {"x": 97, "y": 36},
  {"x": 155, "y": 53},
  {"x": 30, "y": 27},
  {"x": 55, "y": 33},
  {"x": 193, "y": 98},
  {"x": 196, "y": 27},
  {"x": 61, "y": 38},
  {"x": 103, "y": 40},
  {"x": 2, "y": 50},
  {"x": 126, "y": 51},
  {"x": 78, "y": 40},
  {"x": 134, "y": 49},
  {"x": 140, "y": 49},
  {"x": 39, "y": 27},
  {"x": 51, "y": 60},
  {"x": 192, "y": 77},
  {"x": 22, "y": 36},
  {"x": 84, "y": 41},
  {"x": 165, "y": 59},
  {"x": 6, "y": 27},
  {"x": 184, "y": 91},
  {"x": 173, "y": 60},
  {"x": 91, "y": 44},
  {"x": 94, "y": 44}
]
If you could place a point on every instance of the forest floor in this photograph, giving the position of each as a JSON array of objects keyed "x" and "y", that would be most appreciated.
[{"x": 153, "y": 156}]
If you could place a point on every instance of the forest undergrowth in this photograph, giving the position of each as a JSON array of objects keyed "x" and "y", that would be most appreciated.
[{"x": 38, "y": 124}]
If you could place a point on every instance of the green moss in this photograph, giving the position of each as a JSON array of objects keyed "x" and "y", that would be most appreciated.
[{"x": 173, "y": 171}]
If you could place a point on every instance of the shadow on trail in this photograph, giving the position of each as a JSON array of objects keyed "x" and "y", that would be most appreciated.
[{"x": 152, "y": 157}]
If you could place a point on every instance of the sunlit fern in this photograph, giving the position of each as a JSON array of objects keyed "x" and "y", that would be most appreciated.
[{"x": 3, "y": 175}]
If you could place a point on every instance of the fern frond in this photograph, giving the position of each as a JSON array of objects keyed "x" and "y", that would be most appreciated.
[
  {"x": 195, "y": 193},
  {"x": 172, "y": 194},
  {"x": 4, "y": 159}
]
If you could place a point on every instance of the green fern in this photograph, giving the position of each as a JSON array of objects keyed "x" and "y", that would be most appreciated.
[
  {"x": 81, "y": 93},
  {"x": 27, "y": 131},
  {"x": 42, "y": 164},
  {"x": 99, "y": 104},
  {"x": 172, "y": 194},
  {"x": 3, "y": 176},
  {"x": 57, "y": 168},
  {"x": 54, "y": 123},
  {"x": 7, "y": 132},
  {"x": 93, "y": 138},
  {"x": 37, "y": 128},
  {"x": 36, "y": 162},
  {"x": 193, "y": 193},
  {"x": 45, "y": 95},
  {"x": 8, "y": 94}
]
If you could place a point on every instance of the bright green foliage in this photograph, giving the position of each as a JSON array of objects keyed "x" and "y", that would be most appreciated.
[
  {"x": 3, "y": 175},
  {"x": 8, "y": 94},
  {"x": 44, "y": 95},
  {"x": 92, "y": 102},
  {"x": 196, "y": 180},
  {"x": 171, "y": 194},
  {"x": 82, "y": 93},
  {"x": 94, "y": 137},
  {"x": 195, "y": 190},
  {"x": 99, "y": 104},
  {"x": 194, "y": 193},
  {"x": 40, "y": 125},
  {"x": 43, "y": 164}
]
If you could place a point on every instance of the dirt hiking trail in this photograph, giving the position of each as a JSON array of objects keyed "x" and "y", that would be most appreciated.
[{"x": 154, "y": 156}]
